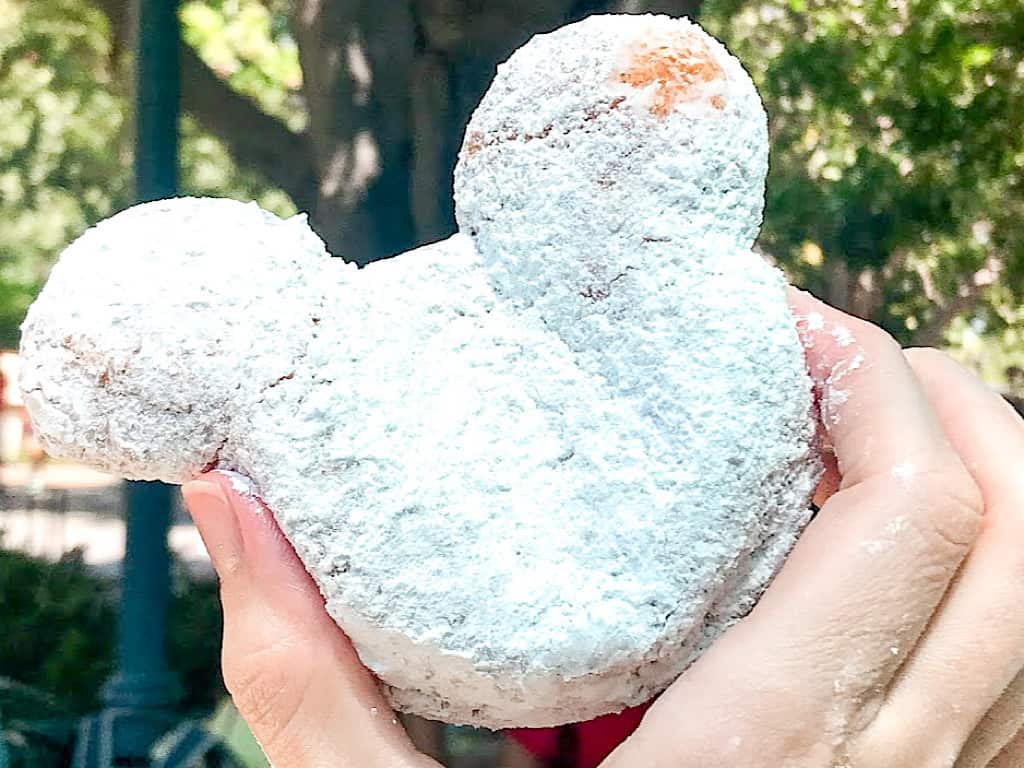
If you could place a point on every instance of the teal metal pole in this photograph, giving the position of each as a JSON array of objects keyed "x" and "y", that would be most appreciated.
[
  {"x": 142, "y": 679},
  {"x": 142, "y": 683},
  {"x": 4, "y": 762},
  {"x": 156, "y": 100},
  {"x": 139, "y": 697}
]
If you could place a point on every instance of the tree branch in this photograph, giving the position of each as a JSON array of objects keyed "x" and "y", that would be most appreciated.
[
  {"x": 932, "y": 333},
  {"x": 255, "y": 139}
]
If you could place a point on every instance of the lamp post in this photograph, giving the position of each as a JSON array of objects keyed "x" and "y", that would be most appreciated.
[
  {"x": 142, "y": 680},
  {"x": 139, "y": 697}
]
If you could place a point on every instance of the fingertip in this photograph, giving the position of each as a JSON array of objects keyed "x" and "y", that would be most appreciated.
[
  {"x": 263, "y": 540},
  {"x": 872, "y": 408},
  {"x": 930, "y": 363},
  {"x": 277, "y": 577},
  {"x": 203, "y": 494},
  {"x": 238, "y": 529},
  {"x": 984, "y": 429},
  {"x": 215, "y": 519}
]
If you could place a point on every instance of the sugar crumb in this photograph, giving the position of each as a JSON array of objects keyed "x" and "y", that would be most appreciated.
[
  {"x": 875, "y": 546},
  {"x": 896, "y": 525},
  {"x": 904, "y": 471},
  {"x": 842, "y": 335},
  {"x": 240, "y": 484}
]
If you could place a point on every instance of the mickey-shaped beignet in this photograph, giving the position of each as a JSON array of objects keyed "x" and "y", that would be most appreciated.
[{"x": 535, "y": 469}]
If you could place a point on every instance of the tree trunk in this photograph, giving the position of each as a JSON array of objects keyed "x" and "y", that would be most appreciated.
[
  {"x": 256, "y": 140},
  {"x": 390, "y": 87},
  {"x": 356, "y": 60}
]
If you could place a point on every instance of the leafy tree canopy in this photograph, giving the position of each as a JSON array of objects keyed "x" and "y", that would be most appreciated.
[{"x": 897, "y": 177}]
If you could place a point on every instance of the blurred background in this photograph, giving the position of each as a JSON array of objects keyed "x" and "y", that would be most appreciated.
[{"x": 896, "y": 192}]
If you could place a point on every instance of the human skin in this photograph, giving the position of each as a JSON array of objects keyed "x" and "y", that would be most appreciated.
[{"x": 892, "y": 637}]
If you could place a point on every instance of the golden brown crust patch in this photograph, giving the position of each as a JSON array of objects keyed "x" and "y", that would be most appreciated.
[{"x": 676, "y": 64}]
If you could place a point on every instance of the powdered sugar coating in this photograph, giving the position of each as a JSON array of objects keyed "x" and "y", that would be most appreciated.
[
  {"x": 149, "y": 322},
  {"x": 535, "y": 469},
  {"x": 563, "y": 156}
]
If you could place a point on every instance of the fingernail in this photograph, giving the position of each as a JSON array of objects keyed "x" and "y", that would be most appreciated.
[
  {"x": 218, "y": 526},
  {"x": 240, "y": 484}
]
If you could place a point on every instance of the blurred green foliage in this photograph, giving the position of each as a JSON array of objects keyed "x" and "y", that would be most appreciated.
[
  {"x": 248, "y": 44},
  {"x": 62, "y": 140},
  {"x": 58, "y": 627},
  {"x": 897, "y": 172},
  {"x": 59, "y": 630},
  {"x": 232, "y": 730},
  {"x": 194, "y": 628}
]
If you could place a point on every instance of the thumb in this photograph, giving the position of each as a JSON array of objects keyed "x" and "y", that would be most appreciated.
[{"x": 292, "y": 673}]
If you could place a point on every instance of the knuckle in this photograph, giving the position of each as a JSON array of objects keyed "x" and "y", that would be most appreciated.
[
  {"x": 951, "y": 507},
  {"x": 267, "y": 692}
]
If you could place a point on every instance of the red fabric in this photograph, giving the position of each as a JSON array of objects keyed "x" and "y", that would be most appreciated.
[
  {"x": 595, "y": 739},
  {"x": 539, "y": 742}
]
